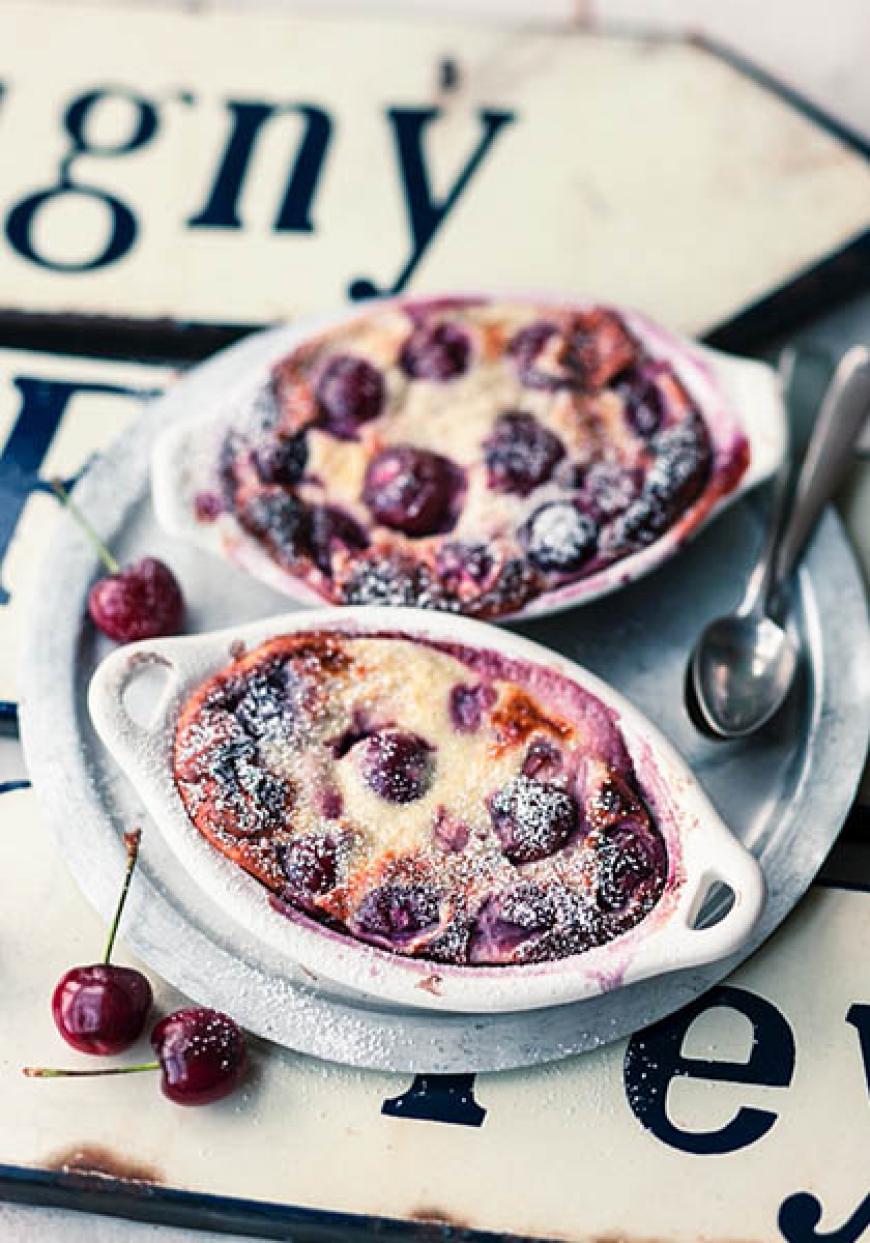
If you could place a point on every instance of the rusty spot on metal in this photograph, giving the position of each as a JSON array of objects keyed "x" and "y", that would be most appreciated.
[
  {"x": 438, "y": 1215},
  {"x": 95, "y": 1161}
]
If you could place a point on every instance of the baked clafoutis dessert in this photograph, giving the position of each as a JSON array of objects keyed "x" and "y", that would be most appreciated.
[
  {"x": 474, "y": 455},
  {"x": 428, "y": 798}
]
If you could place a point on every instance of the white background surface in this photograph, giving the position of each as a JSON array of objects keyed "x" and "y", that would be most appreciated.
[{"x": 819, "y": 48}]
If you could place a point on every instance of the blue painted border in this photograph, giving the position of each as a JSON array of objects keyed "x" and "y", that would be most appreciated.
[{"x": 260, "y": 1219}]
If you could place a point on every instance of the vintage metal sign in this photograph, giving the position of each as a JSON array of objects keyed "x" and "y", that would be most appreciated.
[{"x": 239, "y": 168}]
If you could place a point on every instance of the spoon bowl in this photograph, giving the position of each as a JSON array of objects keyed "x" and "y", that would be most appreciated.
[
  {"x": 742, "y": 668},
  {"x": 744, "y": 663}
]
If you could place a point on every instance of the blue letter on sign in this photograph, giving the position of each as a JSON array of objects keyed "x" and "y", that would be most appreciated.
[
  {"x": 653, "y": 1059},
  {"x": 426, "y": 214},
  {"x": 122, "y": 222},
  {"x": 43, "y": 405}
]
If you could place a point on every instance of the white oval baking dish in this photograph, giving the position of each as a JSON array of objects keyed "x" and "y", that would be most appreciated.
[
  {"x": 734, "y": 395},
  {"x": 701, "y": 850}
]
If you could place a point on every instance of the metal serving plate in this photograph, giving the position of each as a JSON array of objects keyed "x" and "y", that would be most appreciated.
[{"x": 784, "y": 793}]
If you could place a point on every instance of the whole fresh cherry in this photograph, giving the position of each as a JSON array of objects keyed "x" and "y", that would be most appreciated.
[
  {"x": 102, "y": 1008},
  {"x": 200, "y": 1052},
  {"x": 138, "y": 601}
]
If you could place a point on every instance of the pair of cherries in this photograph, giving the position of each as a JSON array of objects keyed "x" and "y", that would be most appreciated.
[{"x": 102, "y": 1009}]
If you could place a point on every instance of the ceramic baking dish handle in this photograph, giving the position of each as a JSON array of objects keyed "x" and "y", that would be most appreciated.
[
  {"x": 735, "y": 868},
  {"x": 127, "y": 737}
]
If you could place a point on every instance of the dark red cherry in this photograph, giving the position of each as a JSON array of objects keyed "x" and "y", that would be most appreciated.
[
  {"x": 140, "y": 601},
  {"x": 102, "y": 1008},
  {"x": 310, "y": 864},
  {"x": 630, "y": 858},
  {"x": 201, "y": 1053},
  {"x": 532, "y": 819},
  {"x": 559, "y": 537},
  {"x": 394, "y": 915},
  {"x": 411, "y": 490},
  {"x": 396, "y": 765},
  {"x": 350, "y": 392},
  {"x": 435, "y": 352},
  {"x": 520, "y": 453},
  {"x": 281, "y": 459}
]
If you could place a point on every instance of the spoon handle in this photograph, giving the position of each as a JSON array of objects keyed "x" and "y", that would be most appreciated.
[{"x": 840, "y": 421}]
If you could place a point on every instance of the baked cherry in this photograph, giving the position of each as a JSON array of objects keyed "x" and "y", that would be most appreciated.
[
  {"x": 526, "y": 346},
  {"x": 201, "y": 1053},
  {"x": 102, "y": 1008},
  {"x": 630, "y": 858},
  {"x": 559, "y": 537},
  {"x": 280, "y": 518},
  {"x": 680, "y": 465},
  {"x": 281, "y": 459},
  {"x": 310, "y": 864},
  {"x": 397, "y": 914},
  {"x": 410, "y": 490},
  {"x": 520, "y": 453},
  {"x": 642, "y": 400},
  {"x": 507, "y": 921},
  {"x": 350, "y": 392},
  {"x": 396, "y": 765},
  {"x": 609, "y": 489},
  {"x": 138, "y": 601},
  {"x": 332, "y": 528},
  {"x": 435, "y": 352},
  {"x": 459, "y": 563},
  {"x": 532, "y": 819}
]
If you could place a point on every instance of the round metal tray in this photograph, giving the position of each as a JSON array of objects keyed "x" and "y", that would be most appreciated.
[{"x": 785, "y": 792}]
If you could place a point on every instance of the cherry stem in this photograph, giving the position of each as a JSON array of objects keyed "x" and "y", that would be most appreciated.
[
  {"x": 131, "y": 842},
  {"x": 102, "y": 551},
  {"x": 56, "y": 1072}
]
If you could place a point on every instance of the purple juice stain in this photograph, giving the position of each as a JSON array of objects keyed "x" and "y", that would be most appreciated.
[
  {"x": 467, "y": 705},
  {"x": 543, "y": 760}
]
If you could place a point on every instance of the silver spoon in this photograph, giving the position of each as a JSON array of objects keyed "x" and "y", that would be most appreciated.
[{"x": 744, "y": 664}]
